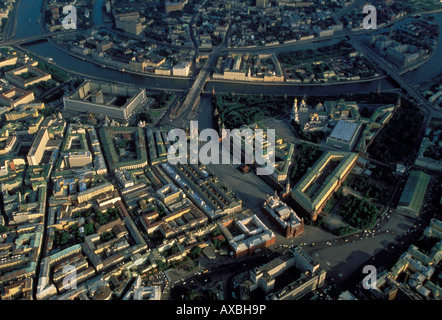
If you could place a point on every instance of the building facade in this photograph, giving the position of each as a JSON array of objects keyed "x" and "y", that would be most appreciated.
[
  {"x": 322, "y": 180},
  {"x": 100, "y": 98}
]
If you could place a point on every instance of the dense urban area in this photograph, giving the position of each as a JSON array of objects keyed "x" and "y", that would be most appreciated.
[{"x": 92, "y": 208}]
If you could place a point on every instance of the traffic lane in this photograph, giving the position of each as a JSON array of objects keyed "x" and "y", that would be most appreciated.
[
  {"x": 343, "y": 260},
  {"x": 391, "y": 230}
]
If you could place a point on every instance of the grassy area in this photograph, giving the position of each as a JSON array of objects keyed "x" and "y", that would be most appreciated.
[
  {"x": 237, "y": 110},
  {"x": 156, "y": 113},
  {"x": 56, "y": 73},
  {"x": 163, "y": 100},
  {"x": 358, "y": 213},
  {"x": 370, "y": 189}
]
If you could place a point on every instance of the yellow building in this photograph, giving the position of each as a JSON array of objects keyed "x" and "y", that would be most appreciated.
[
  {"x": 88, "y": 194},
  {"x": 322, "y": 180},
  {"x": 25, "y": 111}
]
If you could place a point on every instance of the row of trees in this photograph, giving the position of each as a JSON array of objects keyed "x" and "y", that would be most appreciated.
[
  {"x": 307, "y": 155},
  {"x": 363, "y": 98},
  {"x": 333, "y": 201},
  {"x": 57, "y": 74}
]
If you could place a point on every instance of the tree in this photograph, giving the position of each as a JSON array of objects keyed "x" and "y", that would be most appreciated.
[
  {"x": 174, "y": 249},
  {"x": 216, "y": 232},
  {"x": 102, "y": 218},
  {"x": 195, "y": 252},
  {"x": 106, "y": 236},
  {"x": 217, "y": 244},
  {"x": 191, "y": 294},
  {"x": 64, "y": 238},
  {"x": 162, "y": 265},
  {"x": 89, "y": 228}
]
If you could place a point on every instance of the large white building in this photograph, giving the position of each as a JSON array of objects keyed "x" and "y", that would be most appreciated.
[
  {"x": 344, "y": 135},
  {"x": 182, "y": 69},
  {"x": 114, "y": 101},
  {"x": 37, "y": 150}
]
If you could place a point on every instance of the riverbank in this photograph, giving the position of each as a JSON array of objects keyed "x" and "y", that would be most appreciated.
[
  {"x": 76, "y": 66},
  {"x": 8, "y": 28},
  {"x": 298, "y": 84},
  {"x": 88, "y": 76},
  {"x": 101, "y": 63},
  {"x": 284, "y": 83},
  {"x": 154, "y": 77},
  {"x": 258, "y": 83}
]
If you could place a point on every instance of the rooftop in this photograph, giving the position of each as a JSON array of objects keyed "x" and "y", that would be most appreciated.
[
  {"x": 321, "y": 177},
  {"x": 414, "y": 190},
  {"x": 345, "y": 130}
]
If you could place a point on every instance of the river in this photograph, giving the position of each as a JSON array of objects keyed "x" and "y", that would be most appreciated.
[
  {"x": 28, "y": 15},
  {"x": 433, "y": 67},
  {"x": 98, "y": 13}
]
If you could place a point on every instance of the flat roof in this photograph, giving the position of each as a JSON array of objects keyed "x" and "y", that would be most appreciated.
[
  {"x": 110, "y": 92},
  {"x": 414, "y": 191},
  {"x": 345, "y": 130},
  {"x": 345, "y": 159}
]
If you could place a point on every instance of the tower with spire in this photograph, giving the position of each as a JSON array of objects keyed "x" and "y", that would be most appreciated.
[
  {"x": 287, "y": 190},
  {"x": 303, "y": 104},
  {"x": 294, "y": 115}
]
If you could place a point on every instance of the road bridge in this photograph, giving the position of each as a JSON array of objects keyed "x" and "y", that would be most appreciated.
[{"x": 48, "y": 35}]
